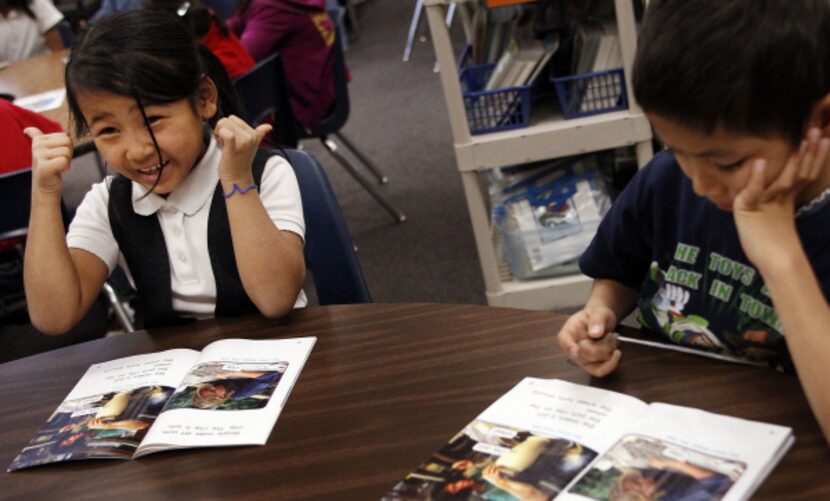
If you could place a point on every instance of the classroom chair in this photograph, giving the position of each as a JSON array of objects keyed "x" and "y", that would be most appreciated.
[
  {"x": 17, "y": 337},
  {"x": 331, "y": 126},
  {"x": 15, "y": 189},
  {"x": 76, "y": 13},
  {"x": 264, "y": 93},
  {"x": 329, "y": 250},
  {"x": 224, "y": 8},
  {"x": 67, "y": 33}
]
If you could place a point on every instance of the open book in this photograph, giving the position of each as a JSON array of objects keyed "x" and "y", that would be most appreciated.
[
  {"x": 548, "y": 439},
  {"x": 230, "y": 393}
]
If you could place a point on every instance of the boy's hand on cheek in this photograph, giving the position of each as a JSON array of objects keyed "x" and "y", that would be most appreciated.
[
  {"x": 765, "y": 214},
  {"x": 587, "y": 337},
  {"x": 51, "y": 157},
  {"x": 239, "y": 144}
]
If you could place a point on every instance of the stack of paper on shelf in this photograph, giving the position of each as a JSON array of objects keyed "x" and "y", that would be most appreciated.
[
  {"x": 598, "y": 50},
  {"x": 521, "y": 63}
]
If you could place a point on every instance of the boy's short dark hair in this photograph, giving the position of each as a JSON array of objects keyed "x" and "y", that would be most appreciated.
[{"x": 752, "y": 66}]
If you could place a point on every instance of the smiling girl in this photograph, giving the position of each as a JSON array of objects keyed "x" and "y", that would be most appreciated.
[{"x": 199, "y": 232}]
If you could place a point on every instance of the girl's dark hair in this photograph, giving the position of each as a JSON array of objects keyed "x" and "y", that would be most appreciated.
[
  {"x": 146, "y": 55},
  {"x": 753, "y": 66},
  {"x": 21, "y": 5}
]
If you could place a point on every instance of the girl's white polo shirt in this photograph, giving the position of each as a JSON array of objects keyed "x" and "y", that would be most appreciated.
[{"x": 183, "y": 216}]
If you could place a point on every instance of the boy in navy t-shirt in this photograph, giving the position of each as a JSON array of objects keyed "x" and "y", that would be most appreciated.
[{"x": 723, "y": 241}]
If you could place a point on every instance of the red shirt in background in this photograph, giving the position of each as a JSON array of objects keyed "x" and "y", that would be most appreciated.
[
  {"x": 16, "y": 147},
  {"x": 229, "y": 50}
]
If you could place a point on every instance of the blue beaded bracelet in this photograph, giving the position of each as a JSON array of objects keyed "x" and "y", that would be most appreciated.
[{"x": 238, "y": 189}]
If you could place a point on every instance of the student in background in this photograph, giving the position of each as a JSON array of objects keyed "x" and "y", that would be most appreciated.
[
  {"x": 15, "y": 145},
  {"x": 200, "y": 231},
  {"x": 722, "y": 240},
  {"x": 110, "y": 7},
  {"x": 210, "y": 31},
  {"x": 303, "y": 34},
  {"x": 28, "y": 28}
]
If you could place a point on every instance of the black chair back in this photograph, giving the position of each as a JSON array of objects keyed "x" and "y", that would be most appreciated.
[
  {"x": 15, "y": 202},
  {"x": 264, "y": 94},
  {"x": 67, "y": 33}
]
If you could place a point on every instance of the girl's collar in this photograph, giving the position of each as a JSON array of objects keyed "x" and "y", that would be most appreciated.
[{"x": 192, "y": 194}]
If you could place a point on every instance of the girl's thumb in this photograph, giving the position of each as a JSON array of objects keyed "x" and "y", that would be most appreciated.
[
  {"x": 32, "y": 132},
  {"x": 263, "y": 130}
]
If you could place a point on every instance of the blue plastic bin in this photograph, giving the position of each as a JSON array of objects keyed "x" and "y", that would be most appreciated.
[
  {"x": 496, "y": 109},
  {"x": 591, "y": 93}
]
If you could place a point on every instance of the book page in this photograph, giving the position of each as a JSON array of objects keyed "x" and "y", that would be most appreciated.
[
  {"x": 110, "y": 409},
  {"x": 553, "y": 407},
  {"x": 529, "y": 444},
  {"x": 233, "y": 395},
  {"x": 685, "y": 453},
  {"x": 45, "y": 101}
]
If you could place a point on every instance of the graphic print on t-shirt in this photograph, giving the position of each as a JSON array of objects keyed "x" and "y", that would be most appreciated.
[{"x": 697, "y": 281}]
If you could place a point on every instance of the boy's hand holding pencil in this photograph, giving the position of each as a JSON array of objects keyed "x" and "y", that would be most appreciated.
[{"x": 589, "y": 340}]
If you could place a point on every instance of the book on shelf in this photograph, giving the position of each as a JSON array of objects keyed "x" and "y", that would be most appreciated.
[
  {"x": 550, "y": 47},
  {"x": 230, "y": 393},
  {"x": 520, "y": 63},
  {"x": 598, "y": 49},
  {"x": 609, "y": 53},
  {"x": 500, "y": 30},
  {"x": 504, "y": 67},
  {"x": 547, "y": 439},
  {"x": 493, "y": 29}
]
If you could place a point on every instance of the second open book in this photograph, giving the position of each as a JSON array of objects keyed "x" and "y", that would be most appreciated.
[
  {"x": 548, "y": 439},
  {"x": 230, "y": 393}
]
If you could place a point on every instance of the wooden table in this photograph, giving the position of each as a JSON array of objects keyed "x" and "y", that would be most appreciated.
[
  {"x": 35, "y": 75},
  {"x": 385, "y": 386}
]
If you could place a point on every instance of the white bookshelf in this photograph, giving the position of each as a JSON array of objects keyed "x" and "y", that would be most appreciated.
[{"x": 546, "y": 137}]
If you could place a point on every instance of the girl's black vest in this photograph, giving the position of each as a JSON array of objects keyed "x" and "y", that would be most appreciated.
[{"x": 141, "y": 241}]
